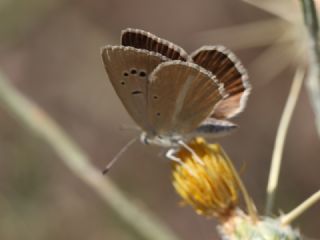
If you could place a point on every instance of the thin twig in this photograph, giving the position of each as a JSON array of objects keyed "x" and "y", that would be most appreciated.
[
  {"x": 280, "y": 138},
  {"x": 251, "y": 208},
  {"x": 313, "y": 81},
  {"x": 295, "y": 213},
  {"x": 32, "y": 117}
]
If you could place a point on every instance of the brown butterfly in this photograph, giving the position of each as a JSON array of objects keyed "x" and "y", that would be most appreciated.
[{"x": 173, "y": 96}]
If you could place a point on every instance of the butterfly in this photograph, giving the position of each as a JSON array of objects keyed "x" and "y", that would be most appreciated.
[{"x": 173, "y": 96}]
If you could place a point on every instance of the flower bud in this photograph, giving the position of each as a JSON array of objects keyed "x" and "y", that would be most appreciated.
[{"x": 209, "y": 186}]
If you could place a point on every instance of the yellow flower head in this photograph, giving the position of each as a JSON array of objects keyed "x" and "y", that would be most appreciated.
[{"x": 209, "y": 186}]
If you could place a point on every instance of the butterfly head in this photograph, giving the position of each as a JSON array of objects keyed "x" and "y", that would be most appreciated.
[{"x": 159, "y": 140}]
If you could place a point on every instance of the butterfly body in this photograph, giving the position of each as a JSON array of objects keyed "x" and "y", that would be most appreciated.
[
  {"x": 160, "y": 140},
  {"x": 173, "y": 96}
]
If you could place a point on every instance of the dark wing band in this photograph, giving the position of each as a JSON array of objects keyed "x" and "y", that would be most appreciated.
[
  {"x": 144, "y": 40},
  {"x": 222, "y": 63}
]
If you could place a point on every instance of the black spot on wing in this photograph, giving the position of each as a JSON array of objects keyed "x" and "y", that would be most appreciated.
[{"x": 136, "y": 92}]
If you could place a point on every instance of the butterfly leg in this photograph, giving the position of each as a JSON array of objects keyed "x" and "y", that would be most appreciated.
[
  {"x": 194, "y": 154},
  {"x": 171, "y": 155}
]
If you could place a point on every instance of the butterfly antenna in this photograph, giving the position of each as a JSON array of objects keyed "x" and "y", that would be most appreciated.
[
  {"x": 189, "y": 149},
  {"x": 117, "y": 156},
  {"x": 131, "y": 128}
]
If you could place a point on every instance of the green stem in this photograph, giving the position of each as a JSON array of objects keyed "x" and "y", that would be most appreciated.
[
  {"x": 34, "y": 118},
  {"x": 280, "y": 139}
]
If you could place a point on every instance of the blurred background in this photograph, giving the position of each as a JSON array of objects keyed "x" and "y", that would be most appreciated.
[{"x": 50, "y": 50}]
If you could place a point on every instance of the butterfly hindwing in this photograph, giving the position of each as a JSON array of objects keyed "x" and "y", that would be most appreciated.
[
  {"x": 128, "y": 70},
  {"x": 229, "y": 71},
  {"x": 180, "y": 96},
  {"x": 212, "y": 127},
  {"x": 144, "y": 40}
]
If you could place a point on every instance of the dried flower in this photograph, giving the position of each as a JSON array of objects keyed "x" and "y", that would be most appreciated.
[
  {"x": 205, "y": 179},
  {"x": 210, "y": 187}
]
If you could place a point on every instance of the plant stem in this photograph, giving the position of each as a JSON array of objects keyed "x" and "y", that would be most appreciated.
[
  {"x": 295, "y": 213},
  {"x": 281, "y": 137},
  {"x": 313, "y": 80},
  {"x": 251, "y": 208},
  {"x": 33, "y": 117}
]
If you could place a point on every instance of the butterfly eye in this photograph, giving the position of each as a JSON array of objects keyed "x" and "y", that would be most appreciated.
[{"x": 133, "y": 71}]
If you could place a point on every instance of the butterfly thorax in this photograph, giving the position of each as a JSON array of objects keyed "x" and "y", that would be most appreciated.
[{"x": 160, "y": 140}]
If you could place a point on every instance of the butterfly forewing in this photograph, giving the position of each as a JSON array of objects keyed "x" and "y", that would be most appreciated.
[
  {"x": 229, "y": 71},
  {"x": 144, "y": 40},
  {"x": 128, "y": 70},
  {"x": 181, "y": 95}
]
